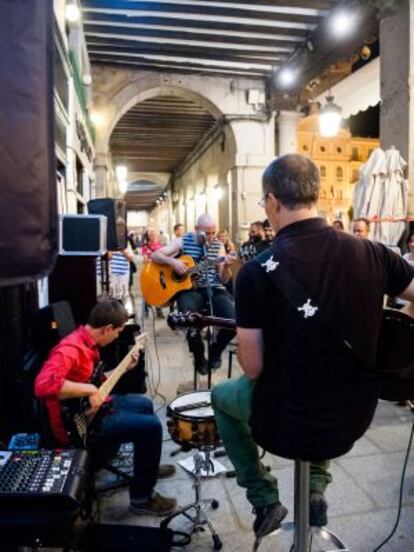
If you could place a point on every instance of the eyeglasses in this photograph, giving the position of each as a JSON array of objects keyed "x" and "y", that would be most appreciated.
[{"x": 262, "y": 202}]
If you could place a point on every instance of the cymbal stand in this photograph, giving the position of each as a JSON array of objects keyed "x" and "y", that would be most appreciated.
[{"x": 201, "y": 517}]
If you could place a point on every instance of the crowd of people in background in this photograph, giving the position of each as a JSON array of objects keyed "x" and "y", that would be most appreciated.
[{"x": 140, "y": 247}]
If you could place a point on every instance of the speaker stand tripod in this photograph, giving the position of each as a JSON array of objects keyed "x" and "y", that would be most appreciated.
[{"x": 201, "y": 516}]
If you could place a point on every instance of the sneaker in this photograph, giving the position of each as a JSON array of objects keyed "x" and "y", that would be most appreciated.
[
  {"x": 165, "y": 470},
  {"x": 156, "y": 505},
  {"x": 318, "y": 510},
  {"x": 268, "y": 518}
]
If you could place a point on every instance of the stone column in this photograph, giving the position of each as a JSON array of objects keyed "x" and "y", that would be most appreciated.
[
  {"x": 101, "y": 175},
  {"x": 287, "y": 131},
  {"x": 397, "y": 85}
]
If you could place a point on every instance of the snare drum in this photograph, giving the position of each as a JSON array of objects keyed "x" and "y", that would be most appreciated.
[{"x": 192, "y": 423}]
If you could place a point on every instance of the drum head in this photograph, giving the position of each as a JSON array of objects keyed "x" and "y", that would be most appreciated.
[{"x": 197, "y": 413}]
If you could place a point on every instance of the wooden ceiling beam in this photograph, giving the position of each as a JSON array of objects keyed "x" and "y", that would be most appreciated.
[
  {"x": 183, "y": 69},
  {"x": 115, "y": 24},
  {"x": 136, "y": 49},
  {"x": 172, "y": 9}
]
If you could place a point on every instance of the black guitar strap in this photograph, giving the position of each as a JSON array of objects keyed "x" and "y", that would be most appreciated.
[{"x": 290, "y": 288}]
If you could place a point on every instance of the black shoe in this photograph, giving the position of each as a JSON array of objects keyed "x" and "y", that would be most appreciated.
[
  {"x": 200, "y": 363},
  {"x": 318, "y": 510},
  {"x": 215, "y": 362},
  {"x": 268, "y": 519}
]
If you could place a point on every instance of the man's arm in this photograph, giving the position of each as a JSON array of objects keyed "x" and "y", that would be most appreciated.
[
  {"x": 165, "y": 256},
  {"x": 408, "y": 295},
  {"x": 250, "y": 351}
]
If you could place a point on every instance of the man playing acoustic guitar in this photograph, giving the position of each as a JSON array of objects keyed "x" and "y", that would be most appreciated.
[
  {"x": 201, "y": 244},
  {"x": 66, "y": 374}
]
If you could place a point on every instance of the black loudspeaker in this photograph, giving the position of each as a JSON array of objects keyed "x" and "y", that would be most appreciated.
[
  {"x": 115, "y": 211},
  {"x": 28, "y": 206},
  {"x": 74, "y": 280},
  {"x": 51, "y": 324},
  {"x": 82, "y": 235}
]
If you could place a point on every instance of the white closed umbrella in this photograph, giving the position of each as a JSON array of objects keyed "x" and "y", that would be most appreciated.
[
  {"x": 394, "y": 201},
  {"x": 369, "y": 190},
  {"x": 381, "y": 195}
]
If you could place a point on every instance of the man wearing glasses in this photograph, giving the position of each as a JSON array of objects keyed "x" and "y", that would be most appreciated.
[{"x": 308, "y": 390}]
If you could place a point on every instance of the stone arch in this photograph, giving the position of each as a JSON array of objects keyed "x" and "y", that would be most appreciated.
[{"x": 132, "y": 92}]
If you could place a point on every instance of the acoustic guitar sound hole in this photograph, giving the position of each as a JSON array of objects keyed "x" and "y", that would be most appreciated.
[{"x": 178, "y": 277}]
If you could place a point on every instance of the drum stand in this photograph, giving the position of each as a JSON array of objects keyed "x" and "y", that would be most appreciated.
[{"x": 201, "y": 516}]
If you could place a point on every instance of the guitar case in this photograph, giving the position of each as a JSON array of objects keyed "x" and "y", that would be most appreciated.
[{"x": 395, "y": 357}]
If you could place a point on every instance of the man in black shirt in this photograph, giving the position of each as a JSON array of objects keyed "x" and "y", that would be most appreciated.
[
  {"x": 255, "y": 244},
  {"x": 309, "y": 389}
]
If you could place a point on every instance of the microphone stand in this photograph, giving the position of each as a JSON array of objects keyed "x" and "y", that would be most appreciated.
[{"x": 211, "y": 313}]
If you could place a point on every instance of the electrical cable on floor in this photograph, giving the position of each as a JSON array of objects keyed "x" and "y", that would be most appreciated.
[
  {"x": 158, "y": 381},
  {"x": 397, "y": 521}
]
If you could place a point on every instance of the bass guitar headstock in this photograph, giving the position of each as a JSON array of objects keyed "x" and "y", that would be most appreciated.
[{"x": 185, "y": 320}]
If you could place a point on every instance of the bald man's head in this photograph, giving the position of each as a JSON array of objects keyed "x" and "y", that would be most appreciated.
[{"x": 207, "y": 225}]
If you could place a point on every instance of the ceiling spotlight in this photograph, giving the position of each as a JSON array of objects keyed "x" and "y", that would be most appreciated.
[
  {"x": 286, "y": 77},
  {"x": 72, "y": 12},
  {"x": 330, "y": 117},
  {"x": 341, "y": 24},
  {"x": 218, "y": 192}
]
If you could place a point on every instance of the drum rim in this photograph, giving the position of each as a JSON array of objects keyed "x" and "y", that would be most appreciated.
[{"x": 182, "y": 416}]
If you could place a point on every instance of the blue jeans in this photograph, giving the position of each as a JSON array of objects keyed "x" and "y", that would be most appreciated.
[
  {"x": 196, "y": 300},
  {"x": 132, "y": 419}
]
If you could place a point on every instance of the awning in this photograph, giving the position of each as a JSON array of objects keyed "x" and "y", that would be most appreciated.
[{"x": 358, "y": 91}]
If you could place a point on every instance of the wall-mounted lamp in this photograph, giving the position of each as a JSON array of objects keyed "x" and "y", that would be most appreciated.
[
  {"x": 121, "y": 172},
  {"x": 123, "y": 186},
  {"x": 218, "y": 192},
  {"x": 330, "y": 117}
]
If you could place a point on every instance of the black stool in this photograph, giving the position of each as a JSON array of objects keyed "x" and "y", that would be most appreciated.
[{"x": 303, "y": 535}]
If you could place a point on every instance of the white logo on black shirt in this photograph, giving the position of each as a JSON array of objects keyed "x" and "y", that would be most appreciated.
[
  {"x": 270, "y": 264},
  {"x": 308, "y": 309}
]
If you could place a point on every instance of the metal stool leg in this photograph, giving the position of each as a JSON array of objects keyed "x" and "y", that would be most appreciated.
[{"x": 305, "y": 538}]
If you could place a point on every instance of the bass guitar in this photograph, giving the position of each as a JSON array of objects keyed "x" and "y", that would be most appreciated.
[
  {"x": 79, "y": 423},
  {"x": 159, "y": 283},
  {"x": 195, "y": 320}
]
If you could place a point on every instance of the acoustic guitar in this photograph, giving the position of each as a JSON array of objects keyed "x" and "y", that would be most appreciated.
[
  {"x": 159, "y": 283},
  {"x": 79, "y": 423}
]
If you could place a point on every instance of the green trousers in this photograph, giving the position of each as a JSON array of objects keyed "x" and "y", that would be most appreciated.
[{"x": 231, "y": 401}]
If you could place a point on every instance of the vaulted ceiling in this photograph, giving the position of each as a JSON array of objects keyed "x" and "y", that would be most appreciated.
[
  {"x": 157, "y": 135},
  {"x": 204, "y": 36}
]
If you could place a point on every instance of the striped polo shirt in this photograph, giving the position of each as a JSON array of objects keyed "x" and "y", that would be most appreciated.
[
  {"x": 195, "y": 250},
  {"x": 118, "y": 264}
]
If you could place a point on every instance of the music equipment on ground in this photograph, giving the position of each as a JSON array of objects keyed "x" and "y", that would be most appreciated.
[
  {"x": 159, "y": 283},
  {"x": 41, "y": 493},
  {"x": 28, "y": 204},
  {"x": 192, "y": 423},
  {"x": 115, "y": 212},
  {"x": 82, "y": 235},
  {"x": 79, "y": 423}
]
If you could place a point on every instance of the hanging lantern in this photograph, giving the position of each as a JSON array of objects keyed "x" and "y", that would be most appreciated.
[{"x": 330, "y": 117}]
